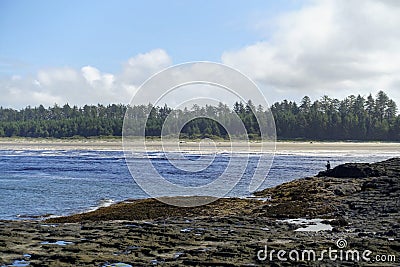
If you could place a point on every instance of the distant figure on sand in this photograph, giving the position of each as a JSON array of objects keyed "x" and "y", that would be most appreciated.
[{"x": 328, "y": 165}]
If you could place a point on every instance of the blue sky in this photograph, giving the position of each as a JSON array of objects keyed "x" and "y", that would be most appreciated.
[
  {"x": 37, "y": 34},
  {"x": 88, "y": 52}
]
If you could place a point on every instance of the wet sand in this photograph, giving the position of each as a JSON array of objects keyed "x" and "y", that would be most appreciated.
[{"x": 195, "y": 146}]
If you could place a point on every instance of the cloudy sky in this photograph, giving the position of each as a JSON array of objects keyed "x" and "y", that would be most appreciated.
[{"x": 89, "y": 52}]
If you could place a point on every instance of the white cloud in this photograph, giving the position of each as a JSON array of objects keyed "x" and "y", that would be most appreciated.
[
  {"x": 91, "y": 74},
  {"x": 333, "y": 47},
  {"x": 88, "y": 85},
  {"x": 140, "y": 67},
  {"x": 53, "y": 76}
]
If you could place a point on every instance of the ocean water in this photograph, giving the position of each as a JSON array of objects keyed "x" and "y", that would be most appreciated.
[{"x": 34, "y": 183}]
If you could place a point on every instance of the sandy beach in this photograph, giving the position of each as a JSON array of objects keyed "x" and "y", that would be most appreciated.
[{"x": 196, "y": 146}]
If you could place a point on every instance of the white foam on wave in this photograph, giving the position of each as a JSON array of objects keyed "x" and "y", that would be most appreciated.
[
  {"x": 35, "y": 153},
  {"x": 337, "y": 153},
  {"x": 105, "y": 202}
]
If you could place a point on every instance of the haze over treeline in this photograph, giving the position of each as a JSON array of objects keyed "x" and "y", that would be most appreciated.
[{"x": 353, "y": 118}]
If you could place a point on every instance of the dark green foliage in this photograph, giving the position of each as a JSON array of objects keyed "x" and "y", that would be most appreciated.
[
  {"x": 354, "y": 118},
  {"x": 63, "y": 121}
]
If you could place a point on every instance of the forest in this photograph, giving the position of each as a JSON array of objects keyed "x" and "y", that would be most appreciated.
[{"x": 353, "y": 118}]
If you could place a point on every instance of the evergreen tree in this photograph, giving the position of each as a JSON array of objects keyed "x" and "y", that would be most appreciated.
[{"x": 353, "y": 118}]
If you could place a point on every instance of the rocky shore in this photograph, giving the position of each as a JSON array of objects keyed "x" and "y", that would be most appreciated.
[{"x": 353, "y": 207}]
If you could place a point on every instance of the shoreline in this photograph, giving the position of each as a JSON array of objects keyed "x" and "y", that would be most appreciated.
[
  {"x": 196, "y": 146},
  {"x": 288, "y": 149},
  {"x": 354, "y": 203}
]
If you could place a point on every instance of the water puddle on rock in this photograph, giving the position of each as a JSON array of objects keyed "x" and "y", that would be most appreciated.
[
  {"x": 118, "y": 264},
  {"x": 178, "y": 254},
  {"x": 21, "y": 263},
  {"x": 310, "y": 225},
  {"x": 59, "y": 243}
]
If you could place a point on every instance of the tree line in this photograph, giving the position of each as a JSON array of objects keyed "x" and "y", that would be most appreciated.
[{"x": 353, "y": 118}]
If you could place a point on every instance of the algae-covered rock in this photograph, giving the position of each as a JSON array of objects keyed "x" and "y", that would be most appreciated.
[{"x": 389, "y": 167}]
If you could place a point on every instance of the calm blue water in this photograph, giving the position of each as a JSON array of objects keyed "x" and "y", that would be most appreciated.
[{"x": 61, "y": 182}]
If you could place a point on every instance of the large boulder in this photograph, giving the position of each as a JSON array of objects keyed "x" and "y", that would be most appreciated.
[
  {"x": 390, "y": 168},
  {"x": 353, "y": 170}
]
